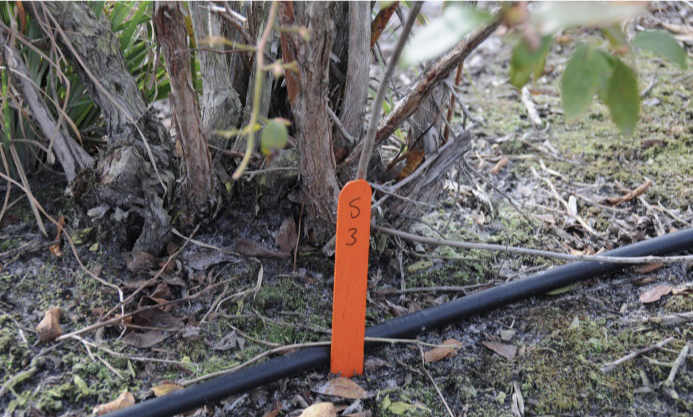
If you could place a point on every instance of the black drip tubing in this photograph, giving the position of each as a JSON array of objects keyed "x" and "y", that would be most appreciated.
[{"x": 404, "y": 327}]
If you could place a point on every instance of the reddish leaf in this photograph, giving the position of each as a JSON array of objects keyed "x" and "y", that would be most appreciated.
[
  {"x": 631, "y": 195},
  {"x": 273, "y": 413},
  {"x": 55, "y": 248},
  {"x": 320, "y": 410},
  {"x": 249, "y": 248},
  {"x": 341, "y": 387},
  {"x": 165, "y": 388},
  {"x": 440, "y": 352},
  {"x": 506, "y": 351},
  {"x": 124, "y": 400},
  {"x": 381, "y": 20},
  {"x": 49, "y": 327},
  {"x": 655, "y": 294},
  {"x": 500, "y": 165}
]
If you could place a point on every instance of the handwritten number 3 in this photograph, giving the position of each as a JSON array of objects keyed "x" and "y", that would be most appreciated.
[{"x": 353, "y": 237}]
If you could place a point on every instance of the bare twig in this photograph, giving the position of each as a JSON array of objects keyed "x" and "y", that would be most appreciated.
[
  {"x": 438, "y": 72},
  {"x": 298, "y": 237},
  {"x": 155, "y": 277},
  {"x": 259, "y": 65},
  {"x": 632, "y": 355},
  {"x": 531, "y": 108},
  {"x": 369, "y": 140},
  {"x": 428, "y": 374},
  {"x": 531, "y": 252},
  {"x": 120, "y": 318},
  {"x": 676, "y": 365},
  {"x": 462, "y": 289},
  {"x": 252, "y": 360},
  {"x": 340, "y": 126}
]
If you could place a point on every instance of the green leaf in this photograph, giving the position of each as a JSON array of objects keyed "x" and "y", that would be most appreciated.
[
  {"x": 615, "y": 35},
  {"x": 81, "y": 385},
  {"x": 585, "y": 74},
  {"x": 274, "y": 136},
  {"x": 128, "y": 33},
  {"x": 554, "y": 16},
  {"x": 526, "y": 61},
  {"x": 399, "y": 408},
  {"x": 623, "y": 97},
  {"x": 564, "y": 290},
  {"x": 456, "y": 22},
  {"x": 662, "y": 44}
]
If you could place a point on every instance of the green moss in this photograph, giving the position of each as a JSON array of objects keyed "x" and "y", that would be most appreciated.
[
  {"x": 565, "y": 369},
  {"x": 680, "y": 303}
]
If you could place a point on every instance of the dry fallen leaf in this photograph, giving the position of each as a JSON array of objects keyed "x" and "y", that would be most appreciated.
[
  {"x": 249, "y": 248},
  {"x": 55, "y": 248},
  {"x": 156, "y": 317},
  {"x": 124, "y": 400},
  {"x": 655, "y": 294},
  {"x": 145, "y": 340},
  {"x": 631, "y": 195},
  {"x": 273, "y": 413},
  {"x": 320, "y": 410},
  {"x": 682, "y": 290},
  {"x": 439, "y": 353},
  {"x": 286, "y": 236},
  {"x": 506, "y": 351},
  {"x": 647, "y": 268},
  {"x": 341, "y": 387},
  {"x": 165, "y": 388},
  {"x": 414, "y": 158},
  {"x": 49, "y": 327},
  {"x": 140, "y": 261},
  {"x": 500, "y": 165}
]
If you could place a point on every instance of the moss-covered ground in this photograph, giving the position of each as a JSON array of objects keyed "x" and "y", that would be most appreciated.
[{"x": 563, "y": 341}]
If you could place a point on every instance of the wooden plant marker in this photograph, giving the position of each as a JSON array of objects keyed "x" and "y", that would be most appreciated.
[{"x": 351, "y": 278}]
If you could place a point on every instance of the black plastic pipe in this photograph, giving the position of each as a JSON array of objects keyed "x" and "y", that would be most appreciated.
[{"x": 403, "y": 327}]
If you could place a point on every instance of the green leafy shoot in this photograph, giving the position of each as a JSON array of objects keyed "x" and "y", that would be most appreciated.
[
  {"x": 274, "y": 137},
  {"x": 526, "y": 61},
  {"x": 623, "y": 97},
  {"x": 662, "y": 44},
  {"x": 586, "y": 73},
  {"x": 552, "y": 17},
  {"x": 442, "y": 33}
]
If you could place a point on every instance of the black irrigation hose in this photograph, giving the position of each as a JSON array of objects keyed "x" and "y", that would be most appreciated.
[{"x": 403, "y": 327}]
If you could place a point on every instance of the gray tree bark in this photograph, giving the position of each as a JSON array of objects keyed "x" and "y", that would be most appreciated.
[
  {"x": 312, "y": 125},
  {"x": 353, "y": 107},
  {"x": 199, "y": 192},
  {"x": 219, "y": 104},
  {"x": 135, "y": 173}
]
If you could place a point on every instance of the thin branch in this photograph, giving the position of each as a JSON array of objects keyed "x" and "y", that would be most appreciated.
[
  {"x": 259, "y": 65},
  {"x": 428, "y": 374},
  {"x": 612, "y": 365},
  {"x": 531, "y": 252},
  {"x": 122, "y": 317},
  {"x": 438, "y": 72},
  {"x": 369, "y": 140},
  {"x": 680, "y": 359},
  {"x": 340, "y": 126}
]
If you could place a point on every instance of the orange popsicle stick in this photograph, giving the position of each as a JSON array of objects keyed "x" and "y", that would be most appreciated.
[{"x": 351, "y": 278}]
